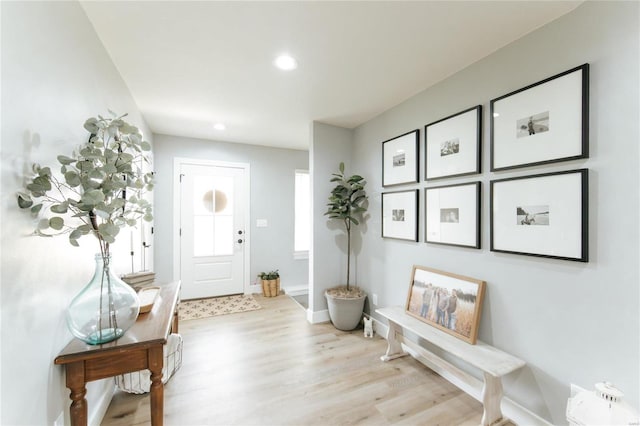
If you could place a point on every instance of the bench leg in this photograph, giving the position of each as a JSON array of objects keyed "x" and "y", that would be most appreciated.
[
  {"x": 491, "y": 399},
  {"x": 394, "y": 350}
]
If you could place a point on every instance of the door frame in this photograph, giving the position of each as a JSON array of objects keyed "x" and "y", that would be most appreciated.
[{"x": 179, "y": 161}]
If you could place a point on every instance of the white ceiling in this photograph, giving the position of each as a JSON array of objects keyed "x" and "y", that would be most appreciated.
[{"x": 191, "y": 64}]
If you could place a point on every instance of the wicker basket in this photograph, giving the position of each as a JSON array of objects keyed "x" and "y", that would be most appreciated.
[
  {"x": 271, "y": 288},
  {"x": 140, "y": 381}
]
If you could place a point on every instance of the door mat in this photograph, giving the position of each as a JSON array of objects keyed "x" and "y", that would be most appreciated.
[{"x": 202, "y": 308}]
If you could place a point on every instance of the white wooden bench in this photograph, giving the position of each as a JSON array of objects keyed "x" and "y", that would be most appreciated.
[{"x": 492, "y": 362}]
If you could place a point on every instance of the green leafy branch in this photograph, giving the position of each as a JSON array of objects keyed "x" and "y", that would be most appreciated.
[
  {"x": 100, "y": 187},
  {"x": 346, "y": 203},
  {"x": 271, "y": 275}
]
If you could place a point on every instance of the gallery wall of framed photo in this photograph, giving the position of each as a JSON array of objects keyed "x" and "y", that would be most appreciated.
[
  {"x": 524, "y": 275},
  {"x": 539, "y": 214}
]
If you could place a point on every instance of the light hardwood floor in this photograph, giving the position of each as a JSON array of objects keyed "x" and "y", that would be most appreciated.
[{"x": 271, "y": 367}]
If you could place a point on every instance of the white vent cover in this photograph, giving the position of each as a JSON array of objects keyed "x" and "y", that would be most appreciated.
[
  {"x": 608, "y": 392},
  {"x": 602, "y": 406}
]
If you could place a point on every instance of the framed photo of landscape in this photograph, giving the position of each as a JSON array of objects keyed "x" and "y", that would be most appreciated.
[
  {"x": 545, "y": 122},
  {"x": 400, "y": 159},
  {"x": 453, "y": 215},
  {"x": 452, "y": 145},
  {"x": 543, "y": 215},
  {"x": 450, "y": 302},
  {"x": 400, "y": 215}
]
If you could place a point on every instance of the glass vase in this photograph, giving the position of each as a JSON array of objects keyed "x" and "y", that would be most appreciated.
[{"x": 105, "y": 308}]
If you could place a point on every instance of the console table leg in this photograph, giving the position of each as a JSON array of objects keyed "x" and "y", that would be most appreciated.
[
  {"x": 76, "y": 384},
  {"x": 157, "y": 388},
  {"x": 491, "y": 399},
  {"x": 394, "y": 348},
  {"x": 174, "y": 326}
]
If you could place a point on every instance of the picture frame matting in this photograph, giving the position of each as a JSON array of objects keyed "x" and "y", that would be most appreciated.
[
  {"x": 400, "y": 159},
  {"x": 453, "y": 145},
  {"x": 545, "y": 122},
  {"x": 400, "y": 215},
  {"x": 544, "y": 215},
  {"x": 452, "y": 215}
]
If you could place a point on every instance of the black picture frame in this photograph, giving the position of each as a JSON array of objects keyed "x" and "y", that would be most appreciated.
[
  {"x": 400, "y": 159},
  {"x": 452, "y": 215},
  {"x": 453, "y": 145},
  {"x": 400, "y": 215},
  {"x": 543, "y": 215},
  {"x": 545, "y": 122}
]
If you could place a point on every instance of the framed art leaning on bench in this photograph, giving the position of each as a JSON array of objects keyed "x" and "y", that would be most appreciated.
[{"x": 447, "y": 301}]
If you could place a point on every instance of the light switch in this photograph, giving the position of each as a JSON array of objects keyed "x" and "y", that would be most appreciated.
[{"x": 261, "y": 223}]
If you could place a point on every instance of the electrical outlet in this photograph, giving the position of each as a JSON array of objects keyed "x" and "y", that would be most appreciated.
[{"x": 374, "y": 299}]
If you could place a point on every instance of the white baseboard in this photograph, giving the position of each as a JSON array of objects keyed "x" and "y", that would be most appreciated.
[
  {"x": 472, "y": 386},
  {"x": 318, "y": 317},
  {"x": 98, "y": 409},
  {"x": 297, "y": 290}
]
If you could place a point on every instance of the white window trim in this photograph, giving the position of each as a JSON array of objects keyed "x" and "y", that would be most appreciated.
[{"x": 301, "y": 254}]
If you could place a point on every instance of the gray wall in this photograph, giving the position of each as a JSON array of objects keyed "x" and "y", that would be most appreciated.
[
  {"x": 55, "y": 75},
  {"x": 329, "y": 146},
  {"x": 272, "y": 190},
  {"x": 571, "y": 322}
]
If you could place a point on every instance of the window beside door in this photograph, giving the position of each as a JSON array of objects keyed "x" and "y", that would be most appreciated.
[{"x": 302, "y": 215}]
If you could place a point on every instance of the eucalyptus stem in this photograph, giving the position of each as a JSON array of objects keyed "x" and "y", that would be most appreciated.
[{"x": 87, "y": 197}]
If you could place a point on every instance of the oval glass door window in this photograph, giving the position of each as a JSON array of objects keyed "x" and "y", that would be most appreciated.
[{"x": 220, "y": 201}]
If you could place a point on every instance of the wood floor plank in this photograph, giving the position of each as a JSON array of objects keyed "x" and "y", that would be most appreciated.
[
  {"x": 271, "y": 367},
  {"x": 462, "y": 405}
]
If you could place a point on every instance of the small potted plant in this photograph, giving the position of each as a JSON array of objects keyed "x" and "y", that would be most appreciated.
[
  {"x": 270, "y": 283},
  {"x": 346, "y": 204}
]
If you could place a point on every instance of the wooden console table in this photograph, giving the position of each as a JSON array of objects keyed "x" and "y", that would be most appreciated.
[{"x": 140, "y": 348}]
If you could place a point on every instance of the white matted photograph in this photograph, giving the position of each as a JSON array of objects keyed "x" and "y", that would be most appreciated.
[
  {"x": 543, "y": 215},
  {"x": 450, "y": 147},
  {"x": 453, "y": 145},
  {"x": 533, "y": 125},
  {"x": 542, "y": 123},
  {"x": 450, "y": 215},
  {"x": 397, "y": 215},
  {"x": 532, "y": 215},
  {"x": 400, "y": 159},
  {"x": 453, "y": 215},
  {"x": 400, "y": 215}
]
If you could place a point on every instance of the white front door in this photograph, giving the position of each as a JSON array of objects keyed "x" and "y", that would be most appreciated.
[{"x": 213, "y": 203}]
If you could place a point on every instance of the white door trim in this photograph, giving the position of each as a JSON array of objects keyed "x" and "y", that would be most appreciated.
[{"x": 177, "y": 162}]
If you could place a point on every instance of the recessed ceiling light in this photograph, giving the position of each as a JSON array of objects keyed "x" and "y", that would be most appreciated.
[
  {"x": 219, "y": 126},
  {"x": 286, "y": 63}
]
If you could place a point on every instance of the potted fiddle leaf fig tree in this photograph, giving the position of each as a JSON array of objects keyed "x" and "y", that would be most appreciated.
[
  {"x": 97, "y": 192},
  {"x": 346, "y": 205}
]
